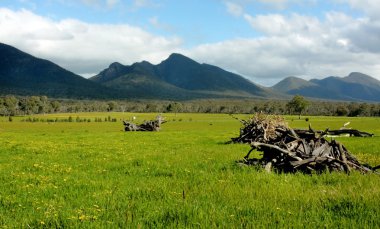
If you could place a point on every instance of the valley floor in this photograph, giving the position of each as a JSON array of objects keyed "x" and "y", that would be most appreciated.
[{"x": 91, "y": 174}]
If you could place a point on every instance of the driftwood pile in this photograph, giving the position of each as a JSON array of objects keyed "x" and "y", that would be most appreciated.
[
  {"x": 288, "y": 150},
  {"x": 151, "y": 125}
]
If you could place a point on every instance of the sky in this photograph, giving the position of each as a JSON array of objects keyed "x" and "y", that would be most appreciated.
[{"x": 262, "y": 40}]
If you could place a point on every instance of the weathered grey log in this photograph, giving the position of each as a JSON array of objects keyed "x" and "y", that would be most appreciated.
[
  {"x": 152, "y": 125},
  {"x": 129, "y": 126},
  {"x": 351, "y": 132},
  {"x": 289, "y": 150},
  {"x": 264, "y": 146},
  {"x": 343, "y": 158}
]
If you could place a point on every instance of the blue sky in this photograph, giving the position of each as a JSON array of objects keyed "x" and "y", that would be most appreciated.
[{"x": 263, "y": 40}]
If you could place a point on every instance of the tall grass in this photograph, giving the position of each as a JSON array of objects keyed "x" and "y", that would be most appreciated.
[{"x": 94, "y": 175}]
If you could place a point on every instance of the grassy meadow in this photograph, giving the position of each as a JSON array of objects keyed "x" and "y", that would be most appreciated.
[{"x": 93, "y": 175}]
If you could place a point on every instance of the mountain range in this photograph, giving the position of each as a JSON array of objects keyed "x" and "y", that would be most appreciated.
[
  {"x": 354, "y": 87},
  {"x": 176, "y": 78}
]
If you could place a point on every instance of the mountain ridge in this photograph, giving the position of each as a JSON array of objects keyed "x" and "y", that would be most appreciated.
[
  {"x": 24, "y": 74},
  {"x": 185, "y": 76},
  {"x": 176, "y": 78},
  {"x": 354, "y": 87}
]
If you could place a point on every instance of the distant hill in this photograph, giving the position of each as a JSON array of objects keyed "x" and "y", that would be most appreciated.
[
  {"x": 23, "y": 74},
  {"x": 292, "y": 83},
  {"x": 178, "y": 77},
  {"x": 354, "y": 87}
]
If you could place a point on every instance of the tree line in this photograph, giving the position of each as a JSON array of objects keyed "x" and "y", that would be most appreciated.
[{"x": 14, "y": 105}]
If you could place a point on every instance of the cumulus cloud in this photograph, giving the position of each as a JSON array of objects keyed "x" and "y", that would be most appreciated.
[
  {"x": 82, "y": 47},
  {"x": 234, "y": 8},
  {"x": 267, "y": 59},
  {"x": 112, "y": 3},
  {"x": 288, "y": 44},
  {"x": 299, "y": 45},
  {"x": 97, "y": 4},
  {"x": 278, "y": 4},
  {"x": 370, "y": 7},
  {"x": 281, "y": 4},
  {"x": 280, "y": 25}
]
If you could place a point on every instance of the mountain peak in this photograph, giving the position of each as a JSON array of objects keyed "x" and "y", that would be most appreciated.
[
  {"x": 358, "y": 75},
  {"x": 178, "y": 58},
  {"x": 24, "y": 74},
  {"x": 354, "y": 74},
  {"x": 116, "y": 65},
  {"x": 177, "y": 55},
  {"x": 360, "y": 78},
  {"x": 291, "y": 83},
  {"x": 179, "y": 74},
  {"x": 114, "y": 70}
]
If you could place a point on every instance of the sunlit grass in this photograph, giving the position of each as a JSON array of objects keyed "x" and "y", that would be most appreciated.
[{"x": 92, "y": 174}]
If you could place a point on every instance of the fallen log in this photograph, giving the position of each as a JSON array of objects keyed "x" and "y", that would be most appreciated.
[
  {"x": 349, "y": 132},
  {"x": 151, "y": 125},
  {"x": 289, "y": 150}
]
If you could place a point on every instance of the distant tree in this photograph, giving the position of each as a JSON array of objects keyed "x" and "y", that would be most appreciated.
[
  {"x": 11, "y": 105},
  {"x": 123, "y": 107},
  {"x": 151, "y": 107},
  {"x": 223, "y": 109},
  {"x": 365, "y": 109},
  {"x": 112, "y": 106},
  {"x": 101, "y": 106},
  {"x": 354, "y": 109},
  {"x": 43, "y": 105},
  {"x": 55, "y": 105},
  {"x": 298, "y": 104},
  {"x": 342, "y": 110},
  {"x": 3, "y": 109},
  {"x": 78, "y": 107},
  {"x": 174, "y": 107},
  {"x": 32, "y": 104}
]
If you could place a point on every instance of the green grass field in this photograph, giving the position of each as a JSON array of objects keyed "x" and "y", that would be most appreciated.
[{"x": 94, "y": 175}]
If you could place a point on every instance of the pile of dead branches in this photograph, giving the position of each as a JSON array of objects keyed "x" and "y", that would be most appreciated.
[
  {"x": 288, "y": 150},
  {"x": 151, "y": 125}
]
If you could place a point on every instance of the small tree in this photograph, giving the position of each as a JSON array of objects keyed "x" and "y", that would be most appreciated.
[
  {"x": 298, "y": 104},
  {"x": 55, "y": 105},
  {"x": 112, "y": 106},
  {"x": 341, "y": 110},
  {"x": 43, "y": 105},
  {"x": 11, "y": 105},
  {"x": 174, "y": 107}
]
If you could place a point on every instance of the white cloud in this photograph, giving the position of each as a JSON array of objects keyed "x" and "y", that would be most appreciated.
[
  {"x": 370, "y": 7},
  {"x": 92, "y": 2},
  {"x": 156, "y": 23},
  {"x": 82, "y": 47},
  {"x": 279, "y": 25},
  {"x": 97, "y": 4},
  {"x": 144, "y": 3},
  {"x": 112, "y": 3},
  {"x": 278, "y": 4},
  {"x": 284, "y": 4},
  {"x": 299, "y": 45},
  {"x": 292, "y": 44},
  {"x": 234, "y": 8}
]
